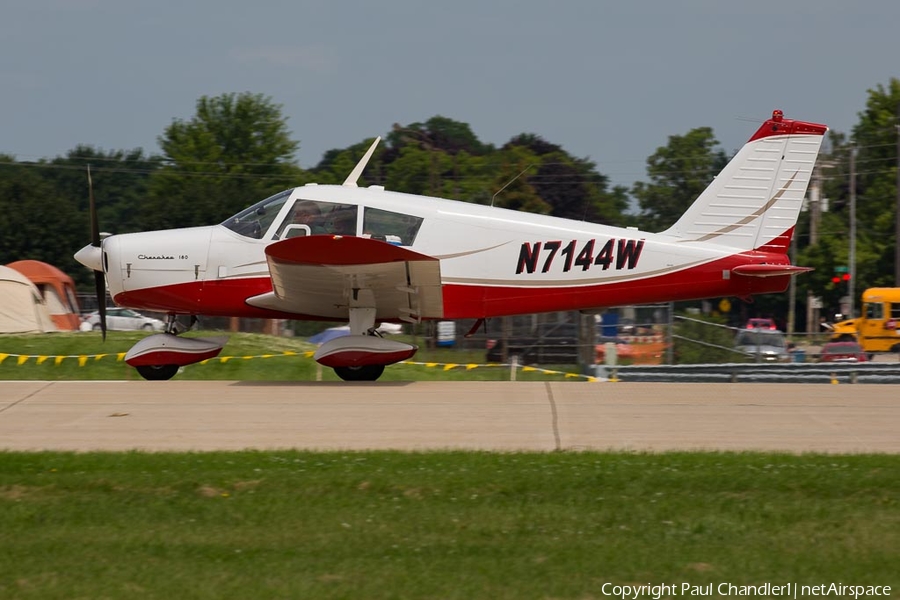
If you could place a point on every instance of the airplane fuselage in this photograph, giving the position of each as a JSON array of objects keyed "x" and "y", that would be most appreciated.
[{"x": 493, "y": 261}]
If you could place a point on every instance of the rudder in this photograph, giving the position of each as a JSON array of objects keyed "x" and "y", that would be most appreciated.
[{"x": 754, "y": 203}]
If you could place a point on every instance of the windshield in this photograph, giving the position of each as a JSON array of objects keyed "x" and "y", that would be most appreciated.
[
  {"x": 391, "y": 227},
  {"x": 761, "y": 338},
  {"x": 253, "y": 222},
  {"x": 842, "y": 348}
]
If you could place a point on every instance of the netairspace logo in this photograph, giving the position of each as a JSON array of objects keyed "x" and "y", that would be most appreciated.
[{"x": 787, "y": 590}]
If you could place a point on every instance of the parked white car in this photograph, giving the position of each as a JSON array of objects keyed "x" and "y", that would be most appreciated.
[{"x": 124, "y": 319}]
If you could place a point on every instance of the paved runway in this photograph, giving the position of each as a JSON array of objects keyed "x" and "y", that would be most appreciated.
[{"x": 221, "y": 415}]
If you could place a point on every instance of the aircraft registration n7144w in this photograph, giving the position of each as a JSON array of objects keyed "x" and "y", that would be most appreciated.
[{"x": 341, "y": 252}]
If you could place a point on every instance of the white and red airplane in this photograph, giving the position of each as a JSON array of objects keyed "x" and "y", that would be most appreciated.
[{"x": 340, "y": 252}]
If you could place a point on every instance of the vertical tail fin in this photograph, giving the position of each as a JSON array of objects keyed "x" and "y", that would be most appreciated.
[{"x": 753, "y": 204}]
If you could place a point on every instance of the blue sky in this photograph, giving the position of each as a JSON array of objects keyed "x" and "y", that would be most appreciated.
[{"x": 609, "y": 81}]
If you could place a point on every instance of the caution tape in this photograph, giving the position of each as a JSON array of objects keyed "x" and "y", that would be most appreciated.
[
  {"x": 225, "y": 359},
  {"x": 522, "y": 368},
  {"x": 40, "y": 359},
  {"x": 84, "y": 359}
]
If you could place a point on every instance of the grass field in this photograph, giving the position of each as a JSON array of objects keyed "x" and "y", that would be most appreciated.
[
  {"x": 454, "y": 525},
  {"x": 248, "y": 357},
  {"x": 438, "y": 525}
]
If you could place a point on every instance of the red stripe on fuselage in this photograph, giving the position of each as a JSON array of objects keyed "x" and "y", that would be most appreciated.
[
  {"x": 704, "y": 281},
  {"x": 227, "y": 297},
  {"x": 219, "y": 298}
]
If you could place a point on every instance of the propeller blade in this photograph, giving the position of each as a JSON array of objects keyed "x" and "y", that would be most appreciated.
[
  {"x": 95, "y": 226},
  {"x": 99, "y": 280}
]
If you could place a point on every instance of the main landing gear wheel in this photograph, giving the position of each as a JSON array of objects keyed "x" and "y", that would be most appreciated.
[
  {"x": 157, "y": 372},
  {"x": 366, "y": 373}
]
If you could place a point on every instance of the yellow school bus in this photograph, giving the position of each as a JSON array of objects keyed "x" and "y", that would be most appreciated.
[{"x": 878, "y": 329}]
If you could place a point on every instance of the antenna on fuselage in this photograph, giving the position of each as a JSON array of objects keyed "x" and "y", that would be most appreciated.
[
  {"x": 358, "y": 169},
  {"x": 509, "y": 182}
]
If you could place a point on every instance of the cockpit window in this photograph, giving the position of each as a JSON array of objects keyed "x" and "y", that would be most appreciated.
[
  {"x": 309, "y": 217},
  {"x": 391, "y": 227},
  {"x": 253, "y": 222}
]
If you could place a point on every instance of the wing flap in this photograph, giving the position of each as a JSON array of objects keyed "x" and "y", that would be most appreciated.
[{"x": 324, "y": 275}]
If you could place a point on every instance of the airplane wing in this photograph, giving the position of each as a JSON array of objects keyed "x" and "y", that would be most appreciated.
[{"x": 321, "y": 275}]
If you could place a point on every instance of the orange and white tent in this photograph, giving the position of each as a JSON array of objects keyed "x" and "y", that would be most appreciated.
[
  {"x": 22, "y": 310},
  {"x": 56, "y": 288}
]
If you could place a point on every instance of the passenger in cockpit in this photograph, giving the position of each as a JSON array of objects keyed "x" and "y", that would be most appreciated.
[{"x": 307, "y": 213}]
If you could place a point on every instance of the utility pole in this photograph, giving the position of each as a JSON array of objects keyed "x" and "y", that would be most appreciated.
[
  {"x": 812, "y": 314},
  {"x": 815, "y": 207},
  {"x": 792, "y": 291},
  {"x": 851, "y": 285},
  {"x": 897, "y": 220}
]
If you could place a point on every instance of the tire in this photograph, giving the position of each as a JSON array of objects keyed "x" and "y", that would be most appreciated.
[
  {"x": 147, "y": 327},
  {"x": 96, "y": 327},
  {"x": 846, "y": 338},
  {"x": 157, "y": 372},
  {"x": 366, "y": 373}
]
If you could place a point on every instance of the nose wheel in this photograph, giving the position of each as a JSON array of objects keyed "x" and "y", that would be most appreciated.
[
  {"x": 165, "y": 372},
  {"x": 364, "y": 373},
  {"x": 157, "y": 372},
  {"x": 161, "y": 355}
]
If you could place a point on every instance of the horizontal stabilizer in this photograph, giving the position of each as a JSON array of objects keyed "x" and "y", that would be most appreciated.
[{"x": 769, "y": 270}]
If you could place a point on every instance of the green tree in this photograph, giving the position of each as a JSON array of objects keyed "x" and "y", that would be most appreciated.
[
  {"x": 440, "y": 157},
  {"x": 438, "y": 133},
  {"x": 121, "y": 180},
  {"x": 572, "y": 186},
  {"x": 513, "y": 182},
  {"x": 234, "y": 151},
  {"x": 874, "y": 142},
  {"x": 415, "y": 170},
  {"x": 678, "y": 173},
  {"x": 444, "y": 158},
  {"x": 48, "y": 216},
  {"x": 35, "y": 221},
  {"x": 337, "y": 163},
  {"x": 875, "y": 137}
]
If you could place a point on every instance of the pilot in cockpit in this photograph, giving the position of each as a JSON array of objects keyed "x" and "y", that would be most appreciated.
[{"x": 308, "y": 215}]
